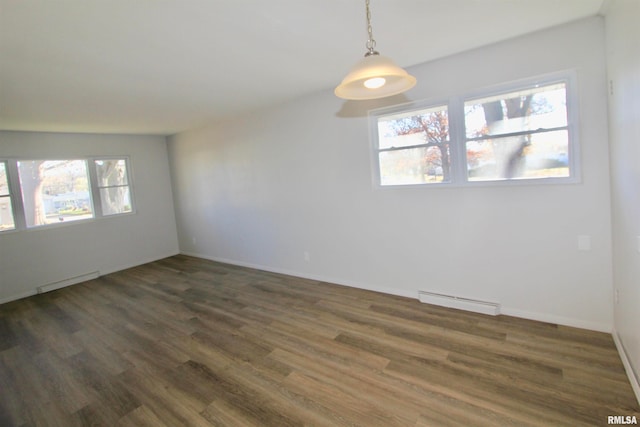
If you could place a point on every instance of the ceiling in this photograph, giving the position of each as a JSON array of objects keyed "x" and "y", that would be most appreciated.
[{"x": 165, "y": 66}]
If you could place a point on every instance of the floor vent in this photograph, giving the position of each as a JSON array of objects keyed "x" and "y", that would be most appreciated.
[
  {"x": 67, "y": 282},
  {"x": 477, "y": 306}
]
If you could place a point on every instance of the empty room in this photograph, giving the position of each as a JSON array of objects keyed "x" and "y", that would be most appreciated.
[{"x": 330, "y": 213}]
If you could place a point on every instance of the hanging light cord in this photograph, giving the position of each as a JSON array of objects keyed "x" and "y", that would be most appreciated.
[{"x": 371, "y": 43}]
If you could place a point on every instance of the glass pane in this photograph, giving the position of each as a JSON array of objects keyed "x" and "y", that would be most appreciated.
[
  {"x": 538, "y": 155},
  {"x": 115, "y": 200},
  {"x": 55, "y": 191},
  {"x": 111, "y": 172},
  {"x": 6, "y": 211},
  {"x": 4, "y": 183},
  {"x": 422, "y": 165},
  {"x": 526, "y": 110},
  {"x": 6, "y": 214},
  {"x": 428, "y": 126}
]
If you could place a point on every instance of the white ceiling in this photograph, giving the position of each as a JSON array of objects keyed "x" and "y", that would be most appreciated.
[{"x": 164, "y": 66}]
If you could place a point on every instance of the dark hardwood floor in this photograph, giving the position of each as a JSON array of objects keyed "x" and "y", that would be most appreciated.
[{"x": 189, "y": 342}]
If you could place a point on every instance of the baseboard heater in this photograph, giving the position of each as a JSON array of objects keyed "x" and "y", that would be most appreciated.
[
  {"x": 477, "y": 306},
  {"x": 67, "y": 282}
]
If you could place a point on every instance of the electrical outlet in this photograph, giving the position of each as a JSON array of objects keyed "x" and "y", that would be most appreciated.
[
  {"x": 616, "y": 296},
  {"x": 307, "y": 257},
  {"x": 584, "y": 243}
]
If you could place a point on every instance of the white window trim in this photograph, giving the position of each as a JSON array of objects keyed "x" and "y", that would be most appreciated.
[
  {"x": 17, "y": 202},
  {"x": 457, "y": 138},
  {"x": 95, "y": 188}
]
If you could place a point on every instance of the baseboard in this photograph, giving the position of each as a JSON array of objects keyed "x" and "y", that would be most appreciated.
[
  {"x": 319, "y": 278},
  {"x": 628, "y": 367},
  {"x": 137, "y": 263},
  {"x": 79, "y": 279},
  {"x": 541, "y": 317},
  {"x": 16, "y": 297},
  {"x": 558, "y": 320}
]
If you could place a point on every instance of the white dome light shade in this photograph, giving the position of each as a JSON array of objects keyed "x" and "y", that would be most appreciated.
[{"x": 374, "y": 76}]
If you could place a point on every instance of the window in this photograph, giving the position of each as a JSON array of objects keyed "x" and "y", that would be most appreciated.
[
  {"x": 113, "y": 184},
  {"x": 518, "y": 133},
  {"x": 61, "y": 191},
  {"x": 413, "y": 147},
  {"x": 521, "y": 134},
  {"x": 6, "y": 208},
  {"x": 54, "y": 191}
]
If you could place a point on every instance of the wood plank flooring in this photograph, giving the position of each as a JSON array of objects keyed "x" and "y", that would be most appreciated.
[{"x": 189, "y": 342}]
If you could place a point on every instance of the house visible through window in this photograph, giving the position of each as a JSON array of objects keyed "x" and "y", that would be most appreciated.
[
  {"x": 518, "y": 133},
  {"x": 54, "y": 191},
  {"x": 48, "y": 192}
]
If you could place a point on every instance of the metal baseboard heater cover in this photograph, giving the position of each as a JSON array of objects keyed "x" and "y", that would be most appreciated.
[
  {"x": 451, "y": 301},
  {"x": 67, "y": 282}
]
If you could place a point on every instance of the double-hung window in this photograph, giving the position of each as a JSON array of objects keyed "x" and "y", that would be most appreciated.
[
  {"x": 414, "y": 146},
  {"x": 113, "y": 184},
  {"x": 522, "y": 132}
]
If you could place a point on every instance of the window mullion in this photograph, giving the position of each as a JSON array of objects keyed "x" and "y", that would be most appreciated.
[
  {"x": 521, "y": 133},
  {"x": 458, "y": 149},
  {"x": 95, "y": 189},
  {"x": 410, "y": 147}
]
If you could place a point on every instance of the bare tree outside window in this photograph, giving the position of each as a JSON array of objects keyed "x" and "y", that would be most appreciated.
[
  {"x": 515, "y": 132},
  {"x": 414, "y": 147},
  {"x": 518, "y": 135},
  {"x": 43, "y": 193},
  {"x": 54, "y": 191}
]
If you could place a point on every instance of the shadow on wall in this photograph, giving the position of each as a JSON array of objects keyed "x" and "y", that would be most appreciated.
[{"x": 355, "y": 109}]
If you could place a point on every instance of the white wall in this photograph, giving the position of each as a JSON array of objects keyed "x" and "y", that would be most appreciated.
[
  {"x": 36, "y": 257},
  {"x": 264, "y": 188},
  {"x": 623, "y": 60}
]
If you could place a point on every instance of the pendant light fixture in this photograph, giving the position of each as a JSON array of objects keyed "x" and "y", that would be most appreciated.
[{"x": 374, "y": 76}]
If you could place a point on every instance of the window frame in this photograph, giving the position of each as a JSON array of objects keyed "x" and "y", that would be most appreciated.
[
  {"x": 457, "y": 133},
  {"x": 10, "y": 194},
  {"x": 17, "y": 202},
  {"x": 396, "y": 110},
  {"x": 24, "y": 204},
  {"x": 95, "y": 187}
]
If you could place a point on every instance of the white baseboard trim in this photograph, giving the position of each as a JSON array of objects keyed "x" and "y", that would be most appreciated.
[
  {"x": 48, "y": 287},
  {"x": 628, "y": 367},
  {"x": 18, "y": 296},
  {"x": 558, "y": 320},
  {"x": 136, "y": 264},
  {"x": 319, "y": 278},
  {"x": 78, "y": 279},
  {"x": 541, "y": 317}
]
